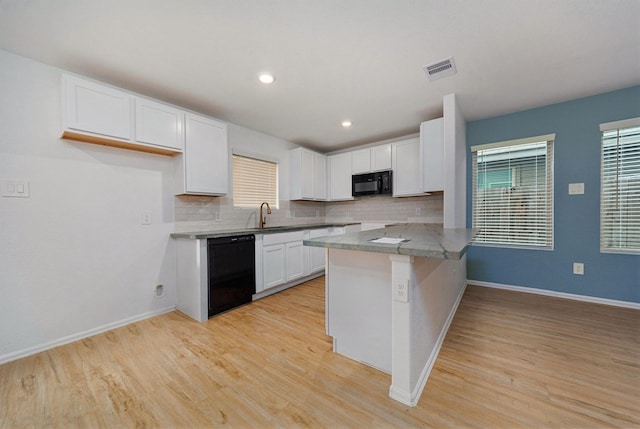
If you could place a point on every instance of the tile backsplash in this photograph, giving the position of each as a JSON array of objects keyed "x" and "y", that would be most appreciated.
[
  {"x": 424, "y": 209},
  {"x": 199, "y": 213},
  {"x": 195, "y": 213}
]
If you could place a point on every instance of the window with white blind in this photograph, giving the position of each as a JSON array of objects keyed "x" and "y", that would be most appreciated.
[
  {"x": 620, "y": 187},
  {"x": 513, "y": 192},
  {"x": 254, "y": 182}
]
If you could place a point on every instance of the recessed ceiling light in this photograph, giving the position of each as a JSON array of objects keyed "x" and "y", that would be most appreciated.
[
  {"x": 346, "y": 124},
  {"x": 266, "y": 78}
]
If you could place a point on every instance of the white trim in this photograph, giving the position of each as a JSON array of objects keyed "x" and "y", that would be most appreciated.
[
  {"x": 254, "y": 155},
  {"x": 81, "y": 335},
  {"x": 572, "y": 296},
  {"x": 527, "y": 140},
  {"x": 625, "y": 123},
  {"x": 431, "y": 361},
  {"x": 295, "y": 282}
]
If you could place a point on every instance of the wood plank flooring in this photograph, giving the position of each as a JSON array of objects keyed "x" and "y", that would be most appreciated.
[{"x": 509, "y": 360}]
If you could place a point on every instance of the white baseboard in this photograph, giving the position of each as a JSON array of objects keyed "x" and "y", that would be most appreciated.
[
  {"x": 80, "y": 335},
  {"x": 426, "y": 370},
  {"x": 575, "y": 297},
  {"x": 265, "y": 293}
]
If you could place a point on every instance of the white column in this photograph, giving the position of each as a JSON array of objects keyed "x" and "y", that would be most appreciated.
[{"x": 402, "y": 289}]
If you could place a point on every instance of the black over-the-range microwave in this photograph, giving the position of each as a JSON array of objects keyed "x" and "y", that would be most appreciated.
[{"x": 378, "y": 183}]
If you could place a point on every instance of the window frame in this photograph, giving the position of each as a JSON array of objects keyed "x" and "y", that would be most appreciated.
[
  {"x": 605, "y": 128},
  {"x": 548, "y": 217}
]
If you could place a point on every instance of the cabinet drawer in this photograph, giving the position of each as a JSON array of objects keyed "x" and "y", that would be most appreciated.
[{"x": 283, "y": 237}]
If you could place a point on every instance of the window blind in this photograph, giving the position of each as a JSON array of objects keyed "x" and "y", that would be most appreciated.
[
  {"x": 513, "y": 193},
  {"x": 620, "y": 189},
  {"x": 254, "y": 182}
]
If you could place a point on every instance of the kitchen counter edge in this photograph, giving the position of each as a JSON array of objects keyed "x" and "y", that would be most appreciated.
[
  {"x": 198, "y": 235},
  {"x": 425, "y": 240}
]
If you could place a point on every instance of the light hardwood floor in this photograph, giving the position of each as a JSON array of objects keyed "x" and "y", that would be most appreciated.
[{"x": 509, "y": 360}]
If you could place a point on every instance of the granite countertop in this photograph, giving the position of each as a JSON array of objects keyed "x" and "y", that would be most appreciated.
[
  {"x": 427, "y": 240},
  {"x": 268, "y": 230}
]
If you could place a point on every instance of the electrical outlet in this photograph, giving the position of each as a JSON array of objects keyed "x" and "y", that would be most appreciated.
[
  {"x": 578, "y": 268},
  {"x": 418, "y": 211},
  {"x": 159, "y": 291},
  {"x": 217, "y": 216},
  {"x": 401, "y": 291}
]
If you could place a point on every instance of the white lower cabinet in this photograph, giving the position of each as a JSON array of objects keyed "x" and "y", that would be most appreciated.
[
  {"x": 273, "y": 265},
  {"x": 282, "y": 259},
  {"x": 295, "y": 260},
  {"x": 316, "y": 255}
]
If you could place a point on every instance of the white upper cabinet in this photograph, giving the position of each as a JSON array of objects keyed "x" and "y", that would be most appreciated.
[
  {"x": 361, "y": 161},
  {"x": 432, "y": 155},
  {"x": 203, "y": 167},
  {"x": 320, "y": 173},
  {"x": 95, "y": 109},
  {"x": 381, "y": 157},
  {"x": 339, "y": 167},
  {"x": 159, "y": 124},
  {"x": 308, "y": 175},
  {"x": 407, "y": 168},
  {"x": 96, "y": 113},
  {"x": 377, "y": 158}
]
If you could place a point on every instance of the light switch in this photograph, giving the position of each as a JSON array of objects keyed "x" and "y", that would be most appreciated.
[
  {"x": 576, "y": 188},
  {"x": 146, "y": 217},
  {"x": 15, "y": 188}
]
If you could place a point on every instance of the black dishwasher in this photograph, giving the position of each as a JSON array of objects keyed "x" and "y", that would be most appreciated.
[{"x": 231, "y": 267}]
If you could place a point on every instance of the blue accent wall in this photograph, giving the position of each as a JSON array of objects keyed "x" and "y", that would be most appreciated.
[{"x": 576, "y": 217}]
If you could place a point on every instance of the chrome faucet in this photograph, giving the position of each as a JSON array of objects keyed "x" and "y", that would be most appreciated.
[{"x": 263, "y": 220}]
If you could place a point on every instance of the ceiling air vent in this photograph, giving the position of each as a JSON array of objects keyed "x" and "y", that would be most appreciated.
[{"x": 440, "y": 69}]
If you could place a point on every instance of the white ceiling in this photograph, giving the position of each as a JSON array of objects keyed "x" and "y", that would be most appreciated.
[{"x": 336, "y": 59}]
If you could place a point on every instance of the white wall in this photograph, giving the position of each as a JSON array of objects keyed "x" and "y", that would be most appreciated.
[{"x": 74, "y": 257}]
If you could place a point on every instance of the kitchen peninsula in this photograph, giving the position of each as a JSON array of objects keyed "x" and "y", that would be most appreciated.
[{"x": 391, "y": 294}]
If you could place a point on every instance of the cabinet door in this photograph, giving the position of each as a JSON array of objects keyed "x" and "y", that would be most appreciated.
[
  {"x": 205, "y": 156},
  {"x": 273, "y": 265},
  {"x": 308, "y": 164},
  {"x": 407, "y": 172},
  {"x": 158, "y": 124},
  {"x": 432, "y": 148},
  {"x": 317, "y": 254},
  {"x": 361, "y": 161},
  {"x": 295, "y": 260},
  {"x": 340, "y": 176},
  {"x": 320, "y": 176},
  {"x": 97, "y": 109},
  {"x": 381, "y": 158}
]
